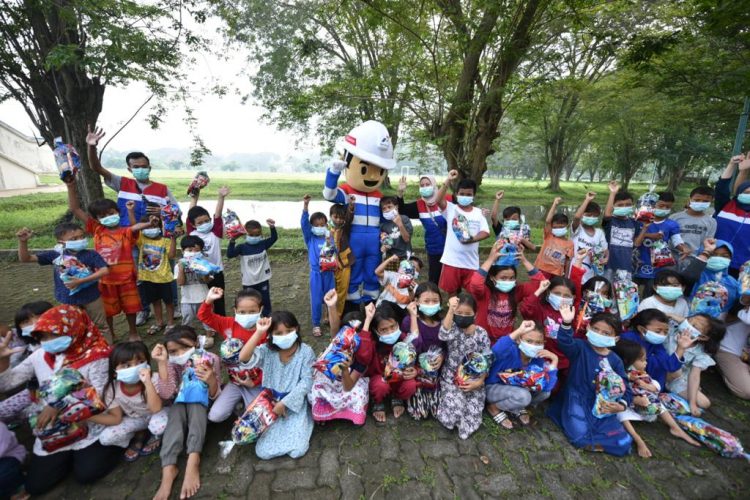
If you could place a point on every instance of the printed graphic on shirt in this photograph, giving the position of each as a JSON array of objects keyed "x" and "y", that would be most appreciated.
[
  {"x": 109, "y": 247},
  {"x": 463, "y": 228},
  {"x": 499, "y": 313},
  {"x": 152, "y": 257},
  {"x": 551, "y": 327},
  {"x": 622, "y": 236}
]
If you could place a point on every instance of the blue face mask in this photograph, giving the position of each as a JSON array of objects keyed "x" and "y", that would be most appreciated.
[
  {"x": 530, "y": 350},
  {"x": 598, "y": 340},
  {"x": 253, "y": 240},
  {"x": 153, "y": 232},
  {"x": 129, "y": 375},
  {"x": 744, "y": 198},
  {"x": 556, "y": 301},
  {"x": 661, "y": 212},
  {"x": 699, "y": 206},
  {"x": 465, "y": 201},
  {"x": 429, "y": 309},
  {"x": 669, "y": 292},
  {"x": 589, "y": 221},
  {"x": 58, "y": 344},
  {"x": 318, "y": 231},
  {"x": 284, "y": 341},
  {"x": 110, "y": 220},
  {"x": 654, "y": 338},
  {"x": 141, "y": 173},
  {"x": 26, "y": 330},
  {"x": 391, "y": 338},
  {"x": 247, "y": 320},
  {"x": 511, "y": 224},
  {"x": 717, "y": 263},
  {"x": 559, "y": 231},
  {"x": 622, "y": 211},
  {"x": 77, "y": 245},
  {"x": 204, "y": 228},
  {"x": 505, "y": 286},
  {"x": 426, "y": 191}
]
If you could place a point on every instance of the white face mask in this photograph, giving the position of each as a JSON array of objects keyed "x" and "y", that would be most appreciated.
[
  {"x": 182, "y": 358},
  {"x": 390, "y": 214}
]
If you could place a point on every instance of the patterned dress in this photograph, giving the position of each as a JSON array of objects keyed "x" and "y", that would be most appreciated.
[{"x": 458, "y": 408}]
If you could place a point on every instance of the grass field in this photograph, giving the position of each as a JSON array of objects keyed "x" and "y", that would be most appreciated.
[{"x": 41, "y": 211}]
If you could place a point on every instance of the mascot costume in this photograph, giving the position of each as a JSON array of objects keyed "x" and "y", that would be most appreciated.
[{"x": 368, "y": 155}]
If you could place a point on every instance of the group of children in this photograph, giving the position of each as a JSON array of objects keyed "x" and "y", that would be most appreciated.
[{"x": 448, "y": 350}]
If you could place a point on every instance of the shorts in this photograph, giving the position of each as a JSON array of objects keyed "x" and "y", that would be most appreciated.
[
  {"x": 120, "y": 298},
  {"x": 153, "y": 292},
  {"x": 454, "y": 278}
]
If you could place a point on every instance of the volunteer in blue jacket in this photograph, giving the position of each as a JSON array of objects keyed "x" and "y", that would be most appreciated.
[{"x": 733, "y": 211}]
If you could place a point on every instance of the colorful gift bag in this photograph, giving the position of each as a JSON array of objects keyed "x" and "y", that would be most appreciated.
[
  {"x": 473, "y": 366},
  {"x": 67, "y": 391},
  {"x": 661, "y": 255},
  {"x": 232, "y": 225},
  {"x": 67, "y": 160},
  {"x": 710, "y": 298},
  {"x": 229, "y": 352},
  {"x": 626, "y": 292},
  {"x": 654, "y": 406},
  {"x": 718, "y": 440},
  {"x": 200, "y": 265},
  {"x": 342, "y": 347},
  {"x": 534, "y": 377},
  {"x": 744, "y": 278},
  {"x": 403, "y": 356},
  {"x": 675, "y": 404},
  {"x": 328, "y": 255},
  {"x": 508, "y": 255},
  {"x": 596, "y": 256},
  {"x": 406, "y": 273},
  {"x": 430, "y": 363},
  {"x": 256, "y": 419},
  {"x": 609, "y": 387},
  {"x": 70, "y": 268},
  {"x": 192, "y": 389},
  {"x": 170, "y": 217},
  {"x": 646, "y": 204},
  {"x": 200, "y": 181}
]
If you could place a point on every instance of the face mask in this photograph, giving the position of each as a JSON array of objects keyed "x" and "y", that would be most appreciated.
[
  {"x": 699, "y": 206},
  {"x": 505, "y": 286},
  {"x": 556, "y": 301},
  {"x": 426, "y": 191},
  {"x": 77, "y": 245},
  {"x": 669, "y": 292},
  {"x": 685, "y": 326},
  {"x": 530, "y": 350},
  {"x": 284, "y": 341},
  {"x": 390, "y": 214},
  {"x": 465, "y": 201},
  {"x": 130, "y": 375},
  {"x": 599, "y": 340},
  {"x": 206, "y": 227},
  {"x": 559, "y": 231},
  {"x": 463, "y": 322},
  {"x": 58, "y": 344},
  {"x": 26, "y": 330},
  {"x": 182, "y": 358},
  {"x": 622, "y": 211},
  {"x": 140, "y": 173},
  {"x": 661, "y": 212},
  {"x": 189, "y": 254},
  {"x": 253, "y": 240},
  {"x": 429, "y": 309},
  {"x": 247, "y": 320},
  {"x": 607, "y": 303},
  {"x": 744, "y": 198},
  {"x": 153, "y": 232},
  {"x": 391, "y": 338},
  {"x": 318, "y": 230},
  {"x": 654, "y": 338},
  {"x": 511, "y": 224},
  {"x": 110, "y": 220},
  {"x": 589, "y": 221},
  {"x": 717, "y": 263}
]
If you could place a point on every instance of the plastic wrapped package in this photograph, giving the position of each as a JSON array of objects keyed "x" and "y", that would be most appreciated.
[
  {"x": 534, "y": 377},
  {"x": 342, "y": 348},
  {"x": 508, "y": 254},
  {"x": 596, "y": 256},
  {"x": 70, "y": 268},
  {"x": 170, "y": 216},
  {"x": 328, "y": 258},
  {"x": 718, "y": 440},
  {"x": 461, "y": 228},
  {"x": 473, "y": 366},
  {"x": 192, "y": 389},
  {"x": 200, "y": 181},
  {"x": 229, "y": 352},
  {"x": 256, "y": 419},
  {"x": 710, "y": 298},
  {"x": 406, "y": 273},
  {"x": 661, "y": 255},
  {"x": 626, "y": 292},
  {"x": 200, "y": 265},
  {"x": 403, "y": 356},
  {"x": 744, "y": 278},
  {"x": 67, "y": 160},
  {"x": 430, "y": 363},
  {"x": 646, "y": 204},
  {"x": 609, "y": 387},
  {"x": 232, "y": 225}
]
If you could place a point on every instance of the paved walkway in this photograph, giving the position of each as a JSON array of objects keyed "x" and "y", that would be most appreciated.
[{"x": 7, "y": 193}]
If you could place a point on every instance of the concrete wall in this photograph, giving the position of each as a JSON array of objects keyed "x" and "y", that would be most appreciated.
[{"x": 21, "y": 159}]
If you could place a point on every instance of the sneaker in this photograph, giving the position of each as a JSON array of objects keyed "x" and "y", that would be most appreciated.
[
  {"x": 177, "y": 314},
  {"x": 142, "y": 317}
]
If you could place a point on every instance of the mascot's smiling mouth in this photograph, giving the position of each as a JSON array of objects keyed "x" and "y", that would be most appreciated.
[{"x": 371, "y": 183}]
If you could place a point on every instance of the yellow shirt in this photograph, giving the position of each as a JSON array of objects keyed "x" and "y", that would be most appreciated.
[{"x": 153, "y": 262}]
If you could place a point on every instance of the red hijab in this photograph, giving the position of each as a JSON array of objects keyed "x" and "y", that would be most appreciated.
[{"x": 88, "y": 344}]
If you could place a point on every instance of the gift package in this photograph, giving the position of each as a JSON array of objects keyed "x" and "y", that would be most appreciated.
[
  {"x": 430, "y": 363},
  {"x": 744, "y": 278},
  {"x": 710, "y": 298},
  {"x": 626, "y": 292},
  {"x": 192, "y": 389},
  {"x": 70, "y": 268},
  {"x": 232, "y": 225},
  {"x": 256, "y": 419},
  {"x": 461, "y": 229},
  {"x": 661, "y": 255},
  {"x": 534, "y": 377},
  {"x": 596, "y": 256},
  {"x": 473, "y": 366},
  {"x": 328, "y": 255},
  {"x": 342, "y": 348},
  {"x": 718, "y": 440},
  {"x": 67, "y": 160},
  {"x": 229, "y": 351},
  {"x": 200, "y": 181},
  {"x": 170, "y": 217},
  {"x": 200, "y": 265},
  {"x": 406, "y": 273},
  {"x": 508, "y": 255},
  {"x": 646, "y": 204},
  {"x": 403, "y": 356},
  {"x": 610, "y": 388}
]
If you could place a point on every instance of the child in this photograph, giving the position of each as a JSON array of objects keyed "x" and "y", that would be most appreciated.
[
  {"x": 133, "y": 404},
  {"x": 287, "y": 370},
  {"x": 387, "y": 333},
  {"x": 522, "y": 350},
  {"x": 115, "y": 244},
  {"x": 398, "y": 287},
  {"x": 663, "y": 229},
  {"x": 193, "y": 288},
  {"x": 243, "y": 385},
  {"x": 468, "y": 227},
  {"x": 596, "y": 295},
  {"x": 496, "y": 291},
  {"x": 314, "y": 232},
  {"x": 200, "y": 224},
  {"x": 341, "y": 217},
  {"x": 646, "y": 405},
  {"x": 172, "y": 359},
  {"x": 344, "y": 398},
  {"x": 510, "y": 227},
  {"x": 425, "y": 313},
  {"x": 71, "y": 252},
  {"x": 586, "y": 235},
  {"x": 650, "y": 329},
  {"x": 396, "y": 231},
  {"x": 155, "y": 273},
  {"x": 461, "y": 406},
  {"x": 695, "y": 224},
  {"x": 255, "y": 265},
  {"x": 712, "y": 264},
  {"x": 592, "y": 365},
  {"x": 12, "y": 456},
  {"x": 669, "y": 287},
  {"x": 620, "y": 228},
  {"x": 732, "y": 356},
  {"x": 557, "y": 250},
  {"x": 707, "y": 333}
]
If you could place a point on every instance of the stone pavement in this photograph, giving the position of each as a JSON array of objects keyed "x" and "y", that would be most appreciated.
[{"x": 414, "y": 460}]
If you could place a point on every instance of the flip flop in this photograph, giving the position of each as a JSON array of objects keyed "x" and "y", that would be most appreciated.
[
  {"x": 154, "y": 329},
  {"x": 135, "y": 448},
  {"x": 151, "y": 446},
  {"x": 502, "y": 417},
  {"x": 317, "y": 332}
]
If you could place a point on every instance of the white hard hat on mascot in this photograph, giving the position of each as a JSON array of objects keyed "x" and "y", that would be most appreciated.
[{"x": 371, "y": 143}]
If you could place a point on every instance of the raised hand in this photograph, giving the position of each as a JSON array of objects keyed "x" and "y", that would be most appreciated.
[
  {"x": 331, "y": 298},
  {"x": 543, "y": 286},
  {"x": 93, "y": 137},
  {"x": 271, "y": 222},
  {"x": 402, "y": 184},
  {"x": 159, "y": 353},
  {"x": 499, "y": 195},
  {"x": 5, "y": 350},
  {"x": 412, "y": 308},
  {"x": 709, "y": 245},
  {"x": 613, "y": 186},
  {"x": 144, "y": 374},
  {"x": 526, "y": 326},
  {"x": 453, "y": 175},
  {"x": 567, "y": 313},
  {"x": 224, "y": 191},
  {"x": 737, "y": 158},
  {"x": 24, "y": 234},
  {"x": 557, "y": 200},
  {"x": 370, "y": 311},
  {"x": 453, "y": 304},
  {"x": 306, "y": 200},
  {"x": 263, "y": 325},
  {"x": 130, "y": 205},
  {"x": 214, "y": 294},
  {"x": 590, "y": 195}
]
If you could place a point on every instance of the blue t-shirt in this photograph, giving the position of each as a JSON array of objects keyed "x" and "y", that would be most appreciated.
[
  {"x": 620, "y": 235},
  {"x": 508, "y": 357},
  {"x": 668, "y": 228},
  {"x": 89, "y": 258}
]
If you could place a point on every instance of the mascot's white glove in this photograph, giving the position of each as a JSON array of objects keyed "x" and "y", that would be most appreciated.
[{"x": 337, "y": 166}]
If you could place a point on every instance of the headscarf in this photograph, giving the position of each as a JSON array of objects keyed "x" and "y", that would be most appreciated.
[
  {"x": 722, "y": 277},
  {"x": 88, "y": 343},
  {"x": 432, "y": 199},
  {"x": 741, "y": 189}
]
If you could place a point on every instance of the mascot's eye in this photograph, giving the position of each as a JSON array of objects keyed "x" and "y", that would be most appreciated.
[
  {"x": 382, "y": 172},
  {"x": 363, "y": 170}
]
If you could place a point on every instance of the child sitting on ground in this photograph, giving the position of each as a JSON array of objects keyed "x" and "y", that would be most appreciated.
[
  {"x": 255, "y": 266},
  {"x": 557, "y": 250},
  {"x": 669, "y": 287},
  {"x": 315, "y": 235},
  {"x": 398, "y": 287}
]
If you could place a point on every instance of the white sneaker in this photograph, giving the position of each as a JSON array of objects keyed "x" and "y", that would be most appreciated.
[{"x": 142, "y": 317}]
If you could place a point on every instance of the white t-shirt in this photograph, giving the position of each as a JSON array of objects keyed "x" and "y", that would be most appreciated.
[
  {"x": 467, "y": 225},
  {"x": 680, "y": 307},
  {"x": 735, "y": 339},
  {"x": 581, "y": 239},
  {"x": 389, "y": 282},
  {"x": 194, "y": 290},
  {"x": 211, "y": 247}
]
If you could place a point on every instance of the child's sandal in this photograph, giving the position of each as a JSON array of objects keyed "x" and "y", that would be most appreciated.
[
  {"x": 503, "y": 420},
  {"x": 398, "y": 403},
  {"x": 151, "y": 446},
  {"x": 524, "y": 421},
  {"x": 378, "y": 408},
  {"x": 154, "y": 329},
  {"x": 316, "y": 331},
  {"x": 133, "y": 451}
]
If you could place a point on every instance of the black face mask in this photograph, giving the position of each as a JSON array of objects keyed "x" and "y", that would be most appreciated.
[{"x": 463, "y": 321}]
